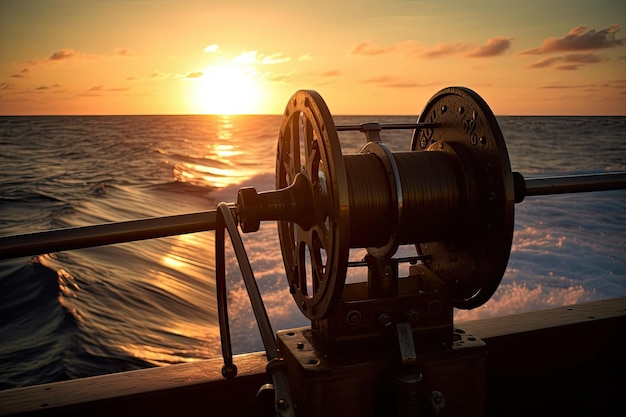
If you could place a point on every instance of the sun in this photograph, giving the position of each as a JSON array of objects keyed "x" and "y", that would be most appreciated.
[{"x": 227, "y": 88}]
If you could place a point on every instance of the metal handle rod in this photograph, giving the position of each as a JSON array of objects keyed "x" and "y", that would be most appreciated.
[
  {"x": 283, "y": 404},
  {"x": 229, "y": 370},
  {"x": 104, "y": 234},
  {"x": 568, "y": 184},
  {"x": 267, "y": 334},
  {"x": 384, "y": 126}
]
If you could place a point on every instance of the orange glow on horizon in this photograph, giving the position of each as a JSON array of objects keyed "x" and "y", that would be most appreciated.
[{"x": 249, "y": 57}]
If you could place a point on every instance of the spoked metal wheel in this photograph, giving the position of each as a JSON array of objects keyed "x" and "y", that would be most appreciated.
[{"x": 315, "y": 257}]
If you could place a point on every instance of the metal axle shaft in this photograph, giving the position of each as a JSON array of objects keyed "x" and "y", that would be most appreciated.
[{"x": 38, "y": 243}]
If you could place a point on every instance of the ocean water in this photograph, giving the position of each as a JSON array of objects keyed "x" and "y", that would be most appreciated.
[{"x": 93, "y": 311}]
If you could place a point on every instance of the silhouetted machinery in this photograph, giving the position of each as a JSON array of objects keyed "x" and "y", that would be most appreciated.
[{"x": 386, "y": 344}]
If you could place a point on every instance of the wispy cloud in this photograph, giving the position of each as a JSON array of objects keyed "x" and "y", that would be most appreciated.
[
  {"x": 194, "y": 74},
  {"x": 21, "y": 74},
  {"x": 97, "y": 90},
  {"x": 124, "y": 52},
  {"x": 386, "y": 81},
  {"x": 443, "y": 49},
  {"x": 67, "y": 54},
  {"x": 211, "y": 48},
  {"x": 62, "y": 54},
  {"x": 579, "y": 38},
  {"x": 611, "y": 84},
  {"x": 369, "y": 48},
  {"x": 568, "y": 62},
  {"x": 495, "y": 46},
  {"x": 159, "y": 74},
  {"x": 331, "y": 73},
  {"x": 254, "y": 57}
]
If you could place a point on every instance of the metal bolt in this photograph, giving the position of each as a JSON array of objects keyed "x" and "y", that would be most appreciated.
[
  {"x": 444, "y": 108},
  {"x": 413, "y": 317},
  {"x": 437, "y": 397},
  {"x": 353, "y": 317},
  {"x": 483, "y": 140},
  {"x": 300, "y": 345},
  {"x": 435, "y": 307},
  {"x": 384, "y": 320}
]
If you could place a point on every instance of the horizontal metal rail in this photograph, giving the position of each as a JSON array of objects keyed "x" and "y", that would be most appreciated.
[
  {"x": 383, "y": 126},
  {"x": 576, "y": 183},
  {"x": 127, "y": 231},
  {"x": 105, "y": 234}
]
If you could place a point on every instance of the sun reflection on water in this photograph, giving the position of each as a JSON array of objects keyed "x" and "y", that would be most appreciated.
[{"x": 220, "y": 157}]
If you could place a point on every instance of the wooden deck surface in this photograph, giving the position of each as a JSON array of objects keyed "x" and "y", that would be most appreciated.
[{"x": 568, "y": 360}]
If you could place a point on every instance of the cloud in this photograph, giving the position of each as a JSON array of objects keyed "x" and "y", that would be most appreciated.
[
  {"x": 254, "y": 57},
  {"x": 331, "y": 73},
  {"x": 569, "y": 62},
  {"x": 611, "y": 84},
  {"x": 5, "y": 86},
  {"x": 276, "y": 58},
  {"x": 67, "y": 54},
  {"x": 442, "y": 49},
  {"x": 124, "y": 52},
  {"x": 369, "y": 48},
  {"x": 42, "y": 88},
  {"x": 159, "y": 74},
  {"x": 579, "y": 39},
  {"x": 62, "y": 54},
  {"x": 494, "y": 46},
  {"x": 212, "y": 48},
  {"x": 305, "y": 57},
  {"x": 386, "y": 81},
  {"x": 22, "y": 74},
  {"x": 194, "y": 74},
  {"x": 101, "y": 89}
]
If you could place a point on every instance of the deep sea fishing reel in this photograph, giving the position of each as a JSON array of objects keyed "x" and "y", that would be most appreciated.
[
  {"x": 387, "y": 345},
  {"x": 451, "y": 194}
]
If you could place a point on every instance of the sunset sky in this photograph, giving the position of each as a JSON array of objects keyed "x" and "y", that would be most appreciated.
[{"x": 548, "y": 57}]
